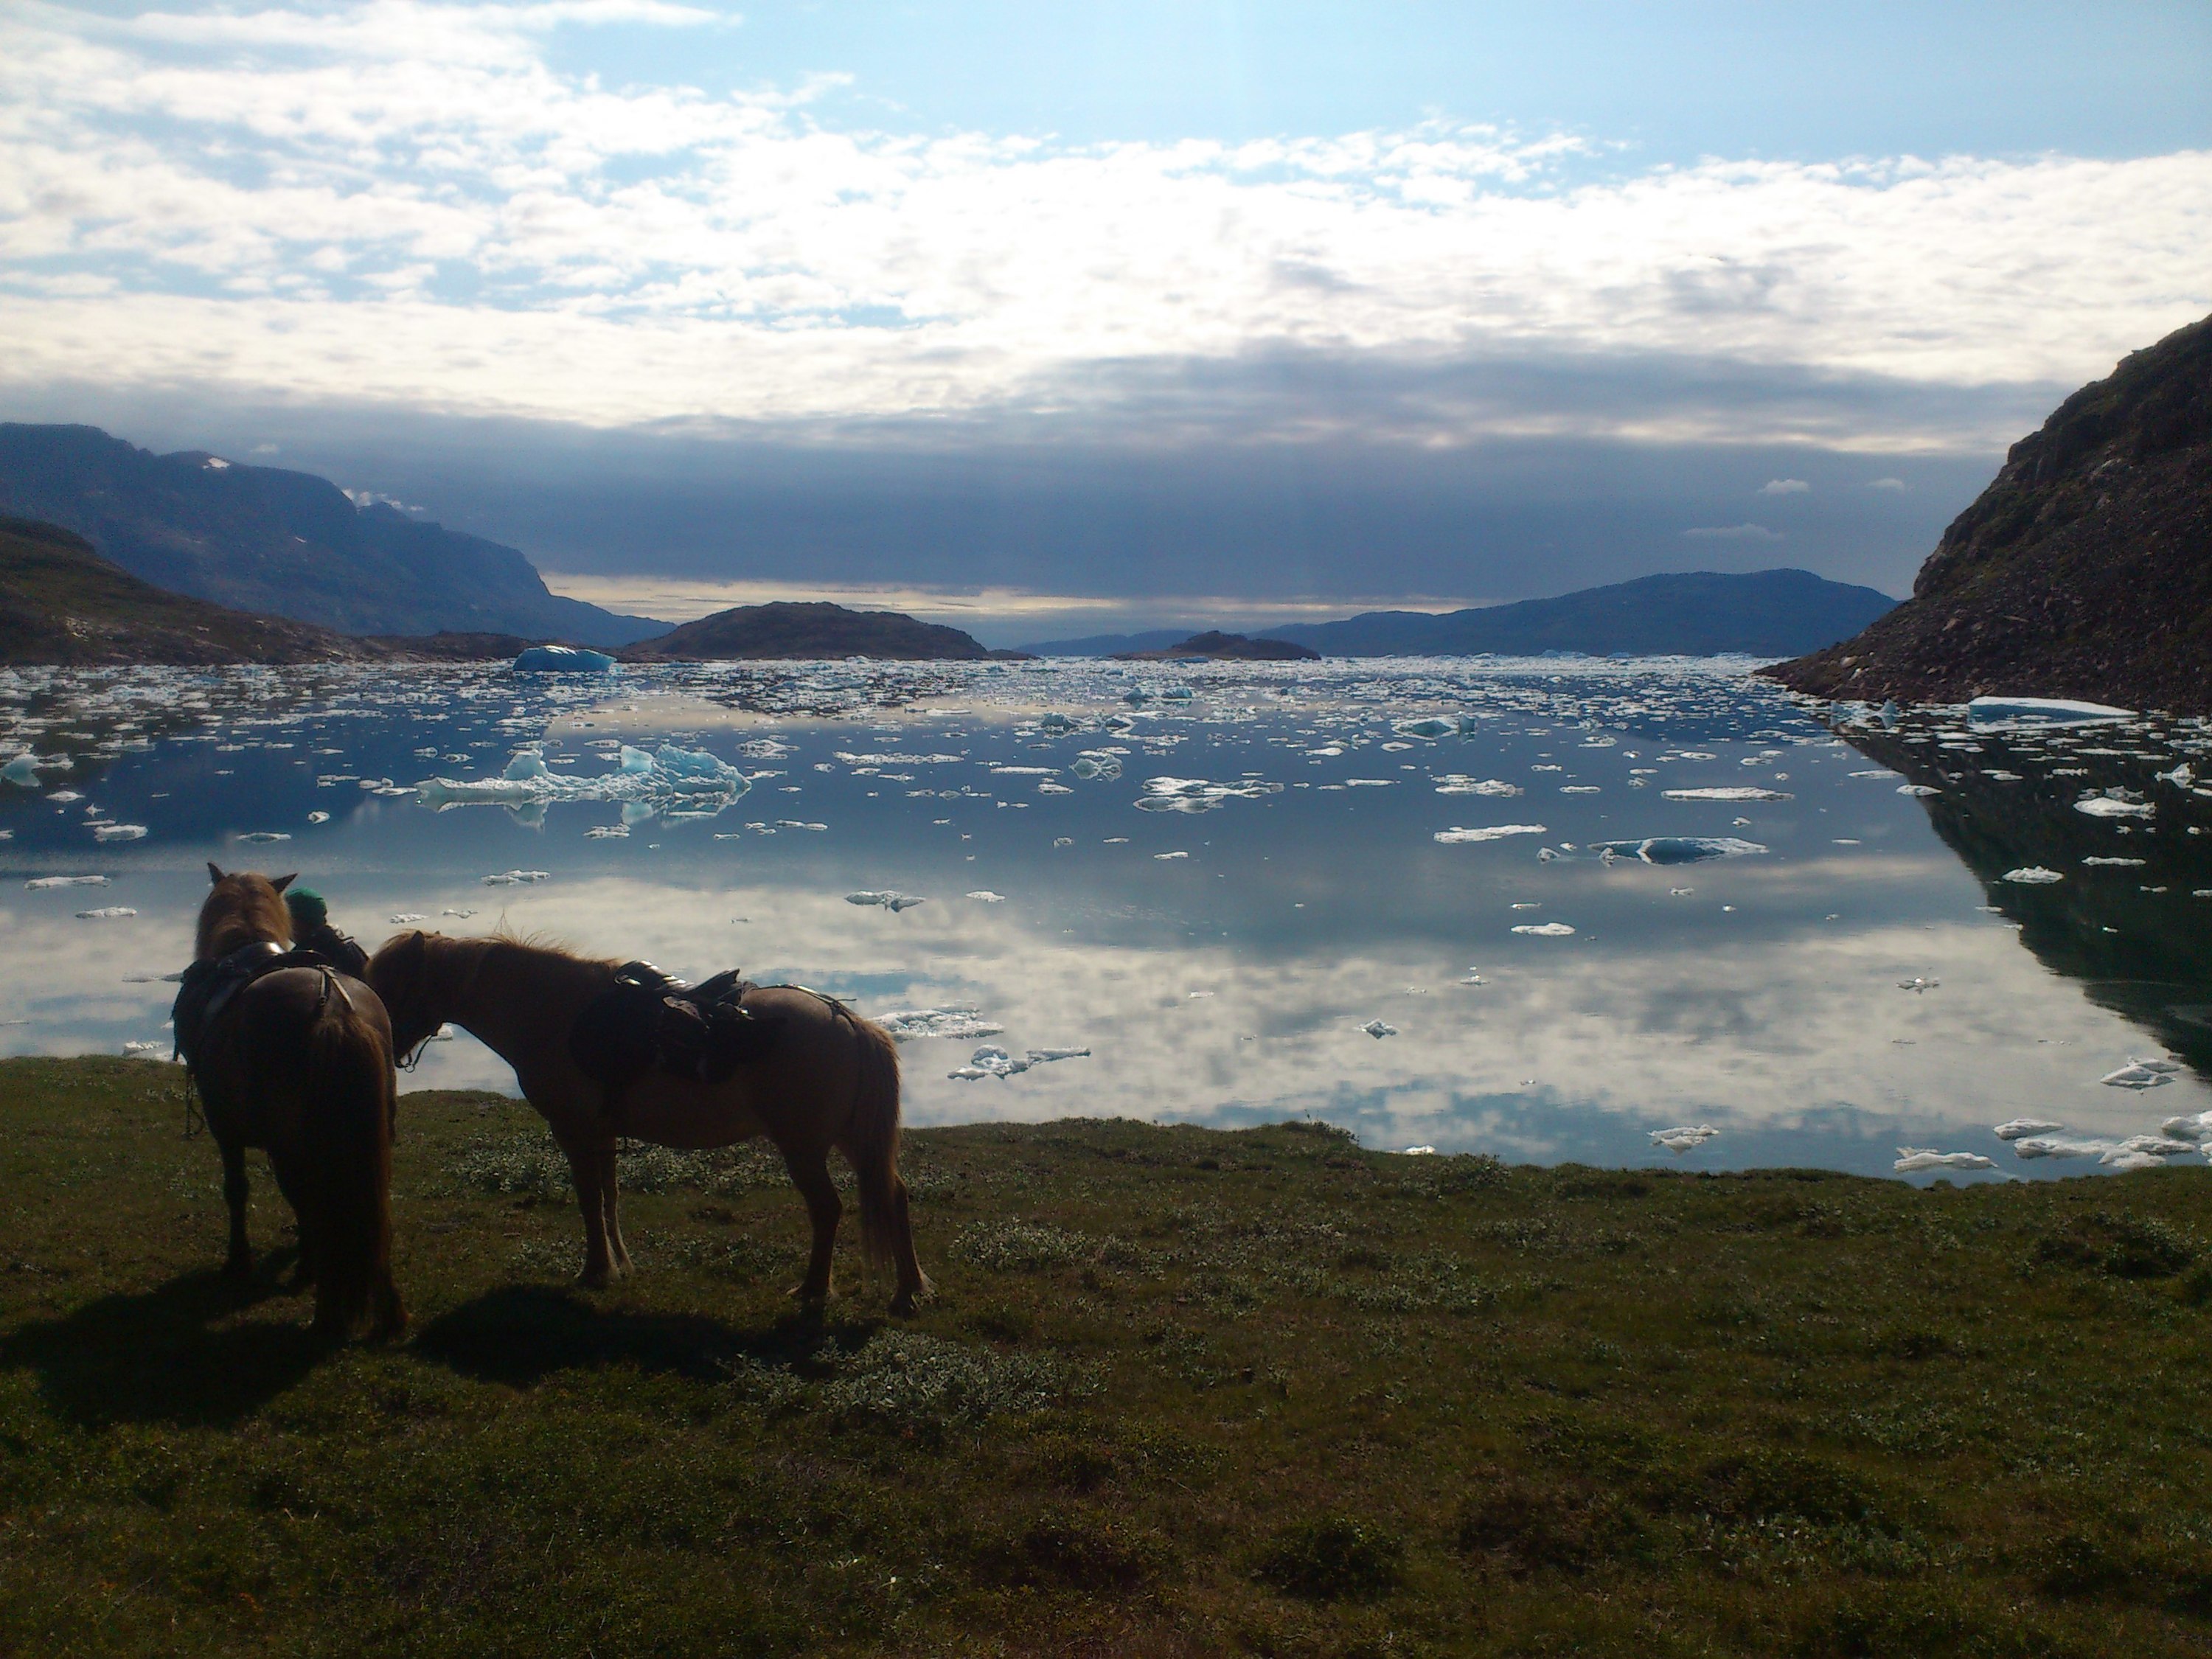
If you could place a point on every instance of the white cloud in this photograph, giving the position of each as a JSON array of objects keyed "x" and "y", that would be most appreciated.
[
  {"x": 1734, "y": 533},
  {"x": 406, "y": 202},
  {"x": 1784, "y": 487},
  {"x": 1886, "y": 483}
]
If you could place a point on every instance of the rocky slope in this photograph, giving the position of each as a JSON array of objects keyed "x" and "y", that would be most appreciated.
[
  {"x": 1230, "y": 647},
  {"x": 61, "y": 603},
  {"x": 786, "y": 631},
  {"x": 287, "y": 543},
  {"x": 2084, "y": 570}
]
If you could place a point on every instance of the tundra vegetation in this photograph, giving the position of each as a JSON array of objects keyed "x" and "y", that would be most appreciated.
[{"x": 1184, "y": 1391}]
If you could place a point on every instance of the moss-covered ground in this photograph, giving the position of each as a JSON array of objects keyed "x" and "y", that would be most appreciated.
[{"x": 1181, "y": 1392}]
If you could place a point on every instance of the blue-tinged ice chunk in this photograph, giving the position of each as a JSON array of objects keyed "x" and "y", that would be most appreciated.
[
  {"x": 562, "y": 660},
  {"x": 1680, "y": 849}
]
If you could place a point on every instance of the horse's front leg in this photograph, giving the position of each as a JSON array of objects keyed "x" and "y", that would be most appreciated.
[
  {"x": 810, "y": 1173},
  {"x": 590, "y": 1175},
  {"x": 617, "y": 1253}
]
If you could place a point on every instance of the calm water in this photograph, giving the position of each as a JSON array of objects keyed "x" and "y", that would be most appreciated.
[{"x": 1217, "y": 879}]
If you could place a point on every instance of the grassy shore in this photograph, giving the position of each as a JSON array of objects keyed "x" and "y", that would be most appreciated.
[{"x": 1181, "y": 1392}]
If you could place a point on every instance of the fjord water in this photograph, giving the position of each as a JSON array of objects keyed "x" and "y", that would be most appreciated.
[{"x": 1219, "y": 879}]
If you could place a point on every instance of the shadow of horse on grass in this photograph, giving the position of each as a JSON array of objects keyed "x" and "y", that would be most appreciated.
[
  {"x": 521, "y": 1334},
  {"x": 174, "y": 1354}
]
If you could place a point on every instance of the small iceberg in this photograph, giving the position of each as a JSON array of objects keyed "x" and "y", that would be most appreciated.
[
  {"x": 1544, "y": 929},
  {"x": 905, "y": 1025},
  {"x": 518, "y": 878},
  {"x": 2114, "y": 806},
  {"x": 889, "y": 898},
  {"x": 1430, "y": 727},
  {"x": 562, "y": 660},
  {"x": 2031, "y": 875},
  {"x": 2020, "y": 1129},
  {"x": 1458, "y": 837},
  {"x": 105, "y": 912},
  {"x": 1379, "y": 1029},
  {"x": 682, "y": 781},
  {"x": 2140, "y": 1074},
  {"x": 1459, "y": 783},
  {"x": 1681, "y": 1140},
  {"x": 1910, "y": 1160},
  {"x": 1917, "y": 789},
  {"x": 1198, "y": 795},
  {"x": 1680, "y": 849},
  {"x": 2041, "y": 711},
  {"x": 48, "y": 883},
  {"x": 125, "y": 832},
  {"x": 1727, "y": 791}
]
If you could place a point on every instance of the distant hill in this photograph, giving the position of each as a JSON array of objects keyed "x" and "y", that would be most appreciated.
[
  {"x": 286, "y": 543},
  {"x": 1768, "y": 613},
  {"x": 786, "y": 631},
  {"x": 1230, "y": 647},
  {"x": 1108, "y": 645},
  {"x": 61, "y": 603},
  {"x": 2084, "y": 570}
]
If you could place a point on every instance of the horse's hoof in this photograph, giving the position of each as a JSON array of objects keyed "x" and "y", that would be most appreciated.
[
  {"x": 902, "y": 1305},
  {"x": 239, "y": 1269},
  {"x": 810, "y": 1295},
  {"x": 592, "y": 1281}
]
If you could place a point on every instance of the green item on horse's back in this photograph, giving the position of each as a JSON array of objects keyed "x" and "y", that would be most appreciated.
[{"x": 308, "y": 910}]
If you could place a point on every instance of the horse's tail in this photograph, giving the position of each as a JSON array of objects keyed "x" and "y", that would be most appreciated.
[
  {"x": 872, "y": 1144},
  {"x": 347, "y": 1136}
]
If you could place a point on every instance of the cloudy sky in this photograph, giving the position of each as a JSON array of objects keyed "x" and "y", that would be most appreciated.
[{"x": 1203, "y": 310}]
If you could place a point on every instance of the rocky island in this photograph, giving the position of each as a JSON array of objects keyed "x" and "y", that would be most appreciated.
[
  {"x": 2084, "y": 570},
  {"x": 785, "y": 631}
]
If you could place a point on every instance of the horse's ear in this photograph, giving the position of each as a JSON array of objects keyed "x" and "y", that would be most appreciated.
[
  {"x": 215, "y": 872},
  {"x": 282, "y": 882}
]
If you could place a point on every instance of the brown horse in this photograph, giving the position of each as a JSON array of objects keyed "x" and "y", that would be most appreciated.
[
  {"x": 831, "y": 1079},
  {"x": 298, "y": 1063}
]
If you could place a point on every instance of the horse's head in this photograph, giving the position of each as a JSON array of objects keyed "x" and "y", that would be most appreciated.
[
  {"x": 402, "y": 974},
  {"x": 241, "y": 908}
]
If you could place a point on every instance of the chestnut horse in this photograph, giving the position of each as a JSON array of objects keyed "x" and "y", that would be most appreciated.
[
  {"x": 830, "y": 1079},
  {"x": 298, "y": 1063}
]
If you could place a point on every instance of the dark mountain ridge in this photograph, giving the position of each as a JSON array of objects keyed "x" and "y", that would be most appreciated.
[
  {"x": 787, "y": 631},
  {"x": 266, "y": 539},
  {"x": 2084, "y": 570},
  {"x": 1228, "y": 648}
]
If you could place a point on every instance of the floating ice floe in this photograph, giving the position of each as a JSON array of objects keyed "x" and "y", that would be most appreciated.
[
  {"x": 985, "y": 896},
  {"x": 1917, "y": 789},
  {"x": 404, "y": 917},
  {"x": 1910, "y": 1160},
  {"x": 2135, "y": 1153},
  {"x": 1100, "y": 768},
  {"x": 685, "y": 781},
  {"x": 1683, "y": 1140},
  {"x": 318, "y": 818},
  {"x": 1877, "y": 772},
  {"x": 618, "y": 831},
  {"x": 1916, "y": 983},
  {"x": 2042, "y": 711},
  {"x": 463, "y": 914},
  {"x": 992, "y": 1061},
  {"x": 258, "y": 837},
  {"x": 1679, "y": 849},
  {"x": 889, "y": 898},
  {"x": 1198, "y": 795},
  {"x": 517, "y": 878},
  {"x": 154, "y": 979},
  {"x": 2020, "y": 1129},
  {"x": 2196, "y": 1130},
  {"x": 1430, "y": 727},
  {"x": 142, "y": 1048},
  {"x": 1379, "y": 1028},
  {"x": 105, "y": 912},
  {"x": 120, "y": 832},
  {"x": 1543, "y": 929},
  {"x": 1727, "y": 791},
  {"x": 905, "y": 1025},
  {"x": 24, "y": 769},
  {"x": 1164, "y": 857},
  {"x": 1460, "y": 783},
  {"x": 1420, "y": 1151},
  {"x": 1456, "y": 836},
  {"x": 2117, "y": 864},
  {"x": 2137, "y": 1075},
  {"x": 562, "y": 660},
  {"x": 48, "y": 883},
  {"x": 2114, "y": 806},
  {"x": 2031, "y": 875}
]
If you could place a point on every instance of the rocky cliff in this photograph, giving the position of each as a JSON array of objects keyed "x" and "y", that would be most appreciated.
[{"x": 2084, "y": 570}]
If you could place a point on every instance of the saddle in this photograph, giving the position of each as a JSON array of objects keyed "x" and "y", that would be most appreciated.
[
  {"x": 208, "y": 987},
  {"x": 647, "y": 1021}
]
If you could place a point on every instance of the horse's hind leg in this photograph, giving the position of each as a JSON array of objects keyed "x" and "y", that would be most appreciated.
[
  {"x": 810, "y": 1173},
  {"x": 238, "y": 1262},
  {"x": 290, "y": 1183}
]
